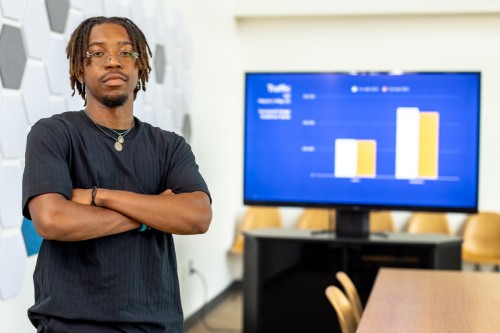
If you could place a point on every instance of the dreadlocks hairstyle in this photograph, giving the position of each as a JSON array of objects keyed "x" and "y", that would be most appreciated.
[{"x": 77, "y": 48}]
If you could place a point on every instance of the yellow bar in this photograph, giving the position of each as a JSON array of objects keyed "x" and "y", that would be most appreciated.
[
  {"x": 367, "y": 151},
  {"x": 428, "y": 145}
]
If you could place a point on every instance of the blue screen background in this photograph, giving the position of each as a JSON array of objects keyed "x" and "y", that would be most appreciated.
[{"x": 290, "y": 161}]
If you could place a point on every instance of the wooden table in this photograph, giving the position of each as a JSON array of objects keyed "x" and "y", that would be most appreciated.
[{"x": 414, "y": 300}]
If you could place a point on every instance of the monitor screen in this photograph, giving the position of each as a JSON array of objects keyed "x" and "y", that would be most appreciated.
[{"x": 378, "y": 140}]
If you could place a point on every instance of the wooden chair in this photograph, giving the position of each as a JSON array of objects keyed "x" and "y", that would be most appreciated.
[
  {"x": 343, "y": 308},
  {"x": 256, "y": 217},
  {"x": 317, "y": 219},
  {"x": 481, "y": 243},
  {"x": 428, "y": 223},
  {"x": 352, "y": 293},
  {"x": 381, "y": 221}
]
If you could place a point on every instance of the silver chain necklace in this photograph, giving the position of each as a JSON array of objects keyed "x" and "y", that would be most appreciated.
[{"x": 121, "y": 136}]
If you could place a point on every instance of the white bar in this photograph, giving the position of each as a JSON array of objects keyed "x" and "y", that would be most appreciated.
[
  {"x": 407, "y": 138},
  {"x": 346, "y": 158}
]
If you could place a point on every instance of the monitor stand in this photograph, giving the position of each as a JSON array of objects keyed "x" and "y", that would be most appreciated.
[{"x": 352, "y": 223}]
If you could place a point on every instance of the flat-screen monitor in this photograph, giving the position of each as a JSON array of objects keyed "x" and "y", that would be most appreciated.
[{"x": 357, "y": 141}]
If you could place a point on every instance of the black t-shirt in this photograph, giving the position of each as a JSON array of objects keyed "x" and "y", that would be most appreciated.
[{"x": 125, "y": 278}]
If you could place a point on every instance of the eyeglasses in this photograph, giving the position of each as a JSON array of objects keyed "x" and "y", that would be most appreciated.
[{"x": 101, "y": 58}]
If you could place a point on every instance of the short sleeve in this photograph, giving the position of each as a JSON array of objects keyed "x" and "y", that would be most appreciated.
[
  {"x": 46, "y": 167},
  {"x": 184, "y": 175}
]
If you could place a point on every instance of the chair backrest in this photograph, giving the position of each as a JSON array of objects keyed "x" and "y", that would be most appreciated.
[
  {"x": 381, "y": 221},
  {"x": 343, "y": 308},
  {"x": 428, "y": 223},
  {"x": 351, "y": 292},
  {"x": 317, "y": 219},
  {"x": 256, "y": 217},
  {"x": 482, "y": 234}
]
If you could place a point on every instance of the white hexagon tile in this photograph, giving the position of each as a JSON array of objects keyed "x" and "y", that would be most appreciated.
[
  {"x": 12, "y": 264},
  {"x": 10, "y": 196},
  {"x": 36, "y": 93},
  {"x": 36, "y": 29},
  {"x": 57, "y": 66},
  {"x": 13, "y": 9},
  {"x": 13, "y": 126}
]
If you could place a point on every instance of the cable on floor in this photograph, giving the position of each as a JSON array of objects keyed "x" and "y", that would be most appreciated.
[{"x": 203, "y": 319}]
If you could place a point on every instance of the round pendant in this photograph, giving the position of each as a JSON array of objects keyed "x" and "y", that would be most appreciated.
[
  {"x": 120, "y": 139},
  {"x": 118, "y": 146}
]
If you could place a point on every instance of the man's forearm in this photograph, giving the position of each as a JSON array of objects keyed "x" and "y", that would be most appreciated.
[
  {"x": 184, "y": 213},
  {"x": 56, "y": 218}
]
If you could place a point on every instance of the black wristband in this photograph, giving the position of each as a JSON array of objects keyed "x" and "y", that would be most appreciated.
[{"x": 94, "y": 192}]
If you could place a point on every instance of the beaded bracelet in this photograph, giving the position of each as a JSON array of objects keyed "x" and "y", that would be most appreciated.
[{"x": 94, "y": 192}]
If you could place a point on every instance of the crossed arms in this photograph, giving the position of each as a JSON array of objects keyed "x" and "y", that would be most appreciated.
[{"x": 58, "y": 218}]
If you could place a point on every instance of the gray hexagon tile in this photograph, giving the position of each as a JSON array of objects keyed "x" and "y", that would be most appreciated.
[
  {"x": 160, "y": 63},
  {"x": 12, "y": 265},
  {"x": 186, "y": 127},
  {"x": 13, "y": 9},
  {"x": 58, "y": 14},
  {"x": 13, "y": 126},
  {"x": 36, "y": 93},
  {"x": 10, "y": 196},
  {"x": 13, "y": 59},
  {"x": 36, "y": 29},
  {"x": 57, "y": 66}
]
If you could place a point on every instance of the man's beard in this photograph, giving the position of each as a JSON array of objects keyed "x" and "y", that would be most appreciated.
[{"x": 114, "y": 101}]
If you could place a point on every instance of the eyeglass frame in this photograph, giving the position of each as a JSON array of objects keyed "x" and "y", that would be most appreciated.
[{"x": 90, "y": 56}]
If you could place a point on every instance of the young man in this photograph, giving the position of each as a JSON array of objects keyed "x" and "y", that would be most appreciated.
[{"x": 106, "y": 192}]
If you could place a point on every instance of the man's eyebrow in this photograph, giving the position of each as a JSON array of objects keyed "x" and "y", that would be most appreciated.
[{"x": 102, "y": 43}]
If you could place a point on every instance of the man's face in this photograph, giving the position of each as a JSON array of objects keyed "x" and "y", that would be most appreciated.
[{"x": 110, "y": 83}]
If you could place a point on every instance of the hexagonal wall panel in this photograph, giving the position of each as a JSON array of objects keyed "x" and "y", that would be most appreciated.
[
  {"x": 186, "y": 127},
  {"x": 74, "y": 19},
  {"x": 161, "y": 28},
  {"x": 13, "y": 126},
  {"x": 10, "y": 196},
  {"x": 160, "y": 63},
  {"x": 32, "y": 240},
  {"x": 36, "y": 93},
  {"x": 57, "y": 105},
  {"x": 12, "y": 265},
  {"x": 93, "y": 8},
  {"x": 13, "y": 59},
  {"x": 36, "y": 29},
  {"x": 13, "y": 9},
  {"x": 58, "y": 66},
  {"x": 58, "y": 14},
  {"x": 77, "y": 4}
]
